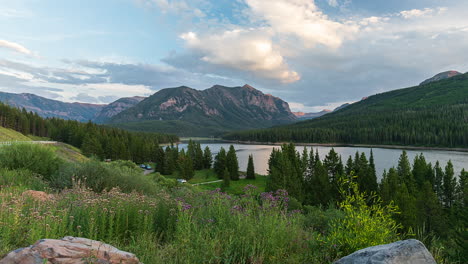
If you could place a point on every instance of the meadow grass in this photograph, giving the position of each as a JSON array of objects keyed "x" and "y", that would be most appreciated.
[
  {"x": 162, "y": 221},
  {"x": 237, "y": 187}
]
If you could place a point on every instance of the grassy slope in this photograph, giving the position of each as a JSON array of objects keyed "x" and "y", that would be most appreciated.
[
  {"x": 11, "y": 135},
  {"x": 65, "y": 151}
]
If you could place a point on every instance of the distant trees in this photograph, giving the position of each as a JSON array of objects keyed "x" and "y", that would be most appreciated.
[
  {"x": 186, "y": 162},
  {"x": 94, "y": 140},
  {"x": 430, "y": 115}
]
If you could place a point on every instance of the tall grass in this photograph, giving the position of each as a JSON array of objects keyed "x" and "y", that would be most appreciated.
[{"x": 113, "y": 216}]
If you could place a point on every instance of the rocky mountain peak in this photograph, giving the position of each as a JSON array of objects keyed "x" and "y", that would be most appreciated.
[{"x": 441, "y": 76}]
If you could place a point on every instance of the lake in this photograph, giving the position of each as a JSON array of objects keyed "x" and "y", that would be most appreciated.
[{"x": 384, "y": 158}]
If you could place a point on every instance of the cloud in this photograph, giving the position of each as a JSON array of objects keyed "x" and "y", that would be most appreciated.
[
  {"x": 15, "y": 47},
  {"x": 302, "y": 19},
  {"x": 333, "y": 3},
  {"x": 85, "y": 98},
  {"x": 243, "y": 49},
  {"x": 415, "y": 13}
]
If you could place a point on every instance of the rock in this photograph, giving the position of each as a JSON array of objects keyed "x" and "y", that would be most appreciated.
[
  {"x": 409, "y": 251},
  {"x": 69, "y": 250},
  {"x": 38, "y": 195}
]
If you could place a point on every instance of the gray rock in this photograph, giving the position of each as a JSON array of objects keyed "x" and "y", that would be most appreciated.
[
  {"x": 409, "y": 251},
  {"x": 69, "y": 250}
]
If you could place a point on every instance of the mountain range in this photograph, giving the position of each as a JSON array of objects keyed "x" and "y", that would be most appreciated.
[
  {"x": 182, "y": 110},
  {"x": 185, "y": 111}
]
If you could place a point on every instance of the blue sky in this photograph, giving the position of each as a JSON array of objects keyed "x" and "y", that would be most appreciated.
[{"x": 314, "y": 54}]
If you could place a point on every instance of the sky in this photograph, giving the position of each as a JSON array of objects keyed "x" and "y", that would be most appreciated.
[{"x": 313, "y": 54}]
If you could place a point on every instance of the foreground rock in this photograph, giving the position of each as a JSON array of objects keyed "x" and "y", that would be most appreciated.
[
  {"x": 69, "y": 250},
  {"x": 402, "y": 252}
]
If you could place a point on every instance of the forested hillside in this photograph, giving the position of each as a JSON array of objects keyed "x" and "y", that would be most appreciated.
[
  {"x": 434, "y": 114},
  {"x": 101, "y": 141}
]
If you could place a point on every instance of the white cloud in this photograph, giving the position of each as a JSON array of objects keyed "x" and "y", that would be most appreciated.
[
  {"x": 15, "y": 47},
  {"x": 304, "y": 20},
  {"x": 416, "y": 13},
  {"x": 243, "y": 49},
  {"x": 333, "y": 3}
]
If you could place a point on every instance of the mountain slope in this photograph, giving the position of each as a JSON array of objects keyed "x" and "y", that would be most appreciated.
[
  {"x": 116, "y": 107},
  {"x": 51, "y": 108},
  {"x": 441, "y": 76},
  {"x": 434, "y": 114},
  {"x": 190, "y": 112},
  {"x": 306, "y": 116}
]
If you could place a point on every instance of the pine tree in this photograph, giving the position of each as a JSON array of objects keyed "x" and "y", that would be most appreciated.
[
  {"x": 250, "y": 168},
  {"x": 207, "y": 158},
  {"x": 438, "y": 181},
  {"x": 220, "y": 163},
  {"x": 449, "y": 185},
  {"x": 404, "y": 172},
  {"x": 232, "y": 164},
  {"x": 91, "y": 146}
]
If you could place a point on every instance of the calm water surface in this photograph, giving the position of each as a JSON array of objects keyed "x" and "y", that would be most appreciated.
[{"x": 384, "y": 158}]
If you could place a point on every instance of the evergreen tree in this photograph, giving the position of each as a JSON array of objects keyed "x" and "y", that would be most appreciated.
[
  {"x": 404, "y": 172},
  {"x": 334, "y": 167},
  {"x": 220, "y": 163},
  {"x": 207, "y": 158},
  {"x": 449, "y": 185},
  {"x": 232, "y": 164},
  {"x": 305, "y": 161},
  {"x": 92, "y": 146},
  {"x": 250, "y": 168},
  {"x": 429, "y": 211},
  {"x": 438, "y": 181},
  {"x": 185, "y": 166},
  {"x": 320, "y": 186},
  {"x": 349, "y": 166}
]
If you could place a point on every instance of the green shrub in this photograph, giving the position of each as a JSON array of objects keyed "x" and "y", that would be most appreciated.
[
  {"x": 363, "y": 225},
  {"x": 21, "y": 178},
  {"x": 100, "y": 176},
  {"x": 35, "y": 158}
]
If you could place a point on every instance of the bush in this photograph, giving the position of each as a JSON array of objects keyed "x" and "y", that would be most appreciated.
[
  {"x": 21, "y": 178},
  {"x": 100, "y": 176},
  {"x": 35, "y": 158},
  {"x": 363, "y": 225}
]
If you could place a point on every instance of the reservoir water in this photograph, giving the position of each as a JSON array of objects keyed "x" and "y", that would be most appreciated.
[{"x": 384, "y": 158}]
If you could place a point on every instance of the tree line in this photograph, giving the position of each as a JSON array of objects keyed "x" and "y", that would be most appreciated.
[
  {"x": 429, "y": 197},
  {"x": 443, "y": 126},
  {"x": 94, "y": 140}
]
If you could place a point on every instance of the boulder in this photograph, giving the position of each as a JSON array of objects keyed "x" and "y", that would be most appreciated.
[
  {"x": 409, "y": 251},
  {"x": 69, "y": 250}
]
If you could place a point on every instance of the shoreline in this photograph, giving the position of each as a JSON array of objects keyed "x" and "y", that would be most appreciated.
[{"x": 348, "y": 145}]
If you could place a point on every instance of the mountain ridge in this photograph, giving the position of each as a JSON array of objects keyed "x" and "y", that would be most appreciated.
[{"x": 219, "y": 107}]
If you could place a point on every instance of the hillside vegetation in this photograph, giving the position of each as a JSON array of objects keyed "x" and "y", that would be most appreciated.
[
  {"x": 11, "y": 135},
  {"x": 434, "y": 114},
  {"x": 93, "y": 140}
]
